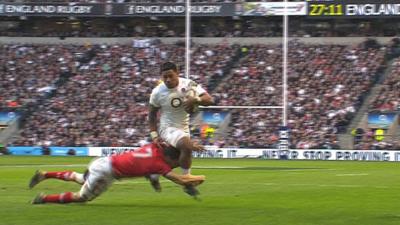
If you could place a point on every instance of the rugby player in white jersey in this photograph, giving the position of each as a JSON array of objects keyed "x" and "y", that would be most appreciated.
[{"x": 172, "y": 100}]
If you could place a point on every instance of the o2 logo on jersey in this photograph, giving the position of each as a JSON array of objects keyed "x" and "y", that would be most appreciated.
[{"x": 176, "y": 102}]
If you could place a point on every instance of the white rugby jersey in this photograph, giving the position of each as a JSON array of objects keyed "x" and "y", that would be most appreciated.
[{"x": 170, "y": 102}]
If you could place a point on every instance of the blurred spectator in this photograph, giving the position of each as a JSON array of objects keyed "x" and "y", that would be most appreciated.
[{"x": 388, "y": 98}]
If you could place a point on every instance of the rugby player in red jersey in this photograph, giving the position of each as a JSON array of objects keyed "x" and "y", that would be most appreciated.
[{"x": 103, "y": 171}]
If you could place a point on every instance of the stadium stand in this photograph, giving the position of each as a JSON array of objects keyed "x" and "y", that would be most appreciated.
[
  {"x": 31, "y": 71},
  {"x": 389, "y": 95},
  {"x": 324, "y": 94},
  {"x": 387, "y": 100},
  {"x": 116, "y": 81}
]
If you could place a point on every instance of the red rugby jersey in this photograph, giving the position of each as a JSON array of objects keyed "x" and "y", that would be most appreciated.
[{"x": 143, "y": 161}]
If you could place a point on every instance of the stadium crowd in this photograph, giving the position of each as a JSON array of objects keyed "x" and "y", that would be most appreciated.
[
  {"x": 323, "y": 95},
  {"x": 388, "y": 98},
  {"x": 31, "y": 71},
  {"x": 257, "y": 77},
  {"x": 368, "y": 142},
  {"x": 102, "y": 105},
  {"x": 327, "y": 89},
  {"x": 253, "y": 128},
  {"x": 104, "y": 101}
]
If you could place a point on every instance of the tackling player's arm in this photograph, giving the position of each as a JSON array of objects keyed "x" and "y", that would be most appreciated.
[
  {"x": 171, "y": 160},
  {"x": 185, "y": 179}
]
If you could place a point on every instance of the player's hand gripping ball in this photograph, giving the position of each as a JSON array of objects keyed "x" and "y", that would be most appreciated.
[{"x": 191, "y": 103}]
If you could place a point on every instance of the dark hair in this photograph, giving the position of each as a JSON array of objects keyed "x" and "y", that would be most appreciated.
[
  {"x": 172, "y": 152},
  {"x": 169, "y": 66}
]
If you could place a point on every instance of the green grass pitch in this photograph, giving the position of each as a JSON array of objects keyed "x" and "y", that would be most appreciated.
[{"x": 236, "y": 192}]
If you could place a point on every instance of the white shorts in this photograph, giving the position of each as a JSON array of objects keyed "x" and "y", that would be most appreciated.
[
  {"x": 99, "y": 178},
  {"x": 172, "y": 135}
]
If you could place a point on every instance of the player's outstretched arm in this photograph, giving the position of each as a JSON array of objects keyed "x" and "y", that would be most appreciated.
[{"x": 184, "y": 180}]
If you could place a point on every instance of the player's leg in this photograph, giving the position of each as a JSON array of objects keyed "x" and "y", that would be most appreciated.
[
  {"x": 155, "y": 181},
  {"x": 186, "y": 147},
  {"x": 87, "y": 193},
  {"x": 185, "y": 158},
  {"x": 39, "y": 176},
  {"x": 170, "y": 136},
  {"x": 99, "y": 178},
  {"x": 62, "y": 198},
  {"x": 181, "y": 140}
]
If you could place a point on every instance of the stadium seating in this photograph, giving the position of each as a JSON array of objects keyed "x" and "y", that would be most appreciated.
[
  {"x": 326, "y": 86},
  {"x": 31, "y": 71},
  {"x": 388, "y": 98},
  {"x": 105, "y": 102}
]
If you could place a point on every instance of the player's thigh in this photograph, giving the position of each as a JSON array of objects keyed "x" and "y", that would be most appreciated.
[
  {"x": 174, "y": 135},
  {"x": 91, "y": 192},
  {"x": 98, "y": 180}
]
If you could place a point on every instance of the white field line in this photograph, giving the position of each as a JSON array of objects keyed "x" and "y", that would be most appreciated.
[
  {"x": 134, "y": 181},
  {"x": 352, "y": 174}
]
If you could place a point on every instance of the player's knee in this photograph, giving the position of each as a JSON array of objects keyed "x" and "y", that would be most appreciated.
[
  {"x": 78, "y": 177},
  {"x": 185, "y": 145},
  {"x": 85, "y": 197},
  {"x": 192, "y": 147},
  {"x": 80, "y": 198}
]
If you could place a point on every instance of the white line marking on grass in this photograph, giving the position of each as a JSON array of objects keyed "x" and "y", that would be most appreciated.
[
  {"x": 339, "y": 185},
  {"x": 306, "y": 169},
  {"x": 305, "y": 185},
  {"x": 259, "y": 168},
  {"x": 352, "y": 174}
]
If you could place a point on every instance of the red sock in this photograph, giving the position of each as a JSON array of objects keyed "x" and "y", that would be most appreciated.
[
  {"x": 62, "y": 175},
  {"x": 63, "y": 198}
]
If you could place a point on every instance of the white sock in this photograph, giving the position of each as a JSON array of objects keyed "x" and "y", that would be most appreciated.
[{"x": 185, "y": 171}]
